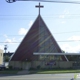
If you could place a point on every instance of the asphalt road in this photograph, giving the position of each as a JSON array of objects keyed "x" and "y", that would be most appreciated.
[{"x": 38, "y": 77}]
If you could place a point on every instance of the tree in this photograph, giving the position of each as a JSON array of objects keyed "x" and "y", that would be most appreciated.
[{"x": 6, "y": 59}]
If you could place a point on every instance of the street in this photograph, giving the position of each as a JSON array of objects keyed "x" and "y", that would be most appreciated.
[{"x": 38, "y": 77}]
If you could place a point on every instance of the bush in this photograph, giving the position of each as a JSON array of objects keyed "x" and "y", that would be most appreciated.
[
  {"x": 38, "y": 67},
  {"x": 32, "y": 68},
  {"x": 10, "y": 67}
]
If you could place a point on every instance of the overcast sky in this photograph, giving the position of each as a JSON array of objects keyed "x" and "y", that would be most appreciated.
[{"x": 62, "y": 19}]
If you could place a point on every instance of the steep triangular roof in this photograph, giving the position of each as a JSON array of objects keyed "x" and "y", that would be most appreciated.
[{"x": 38, "y": 39}]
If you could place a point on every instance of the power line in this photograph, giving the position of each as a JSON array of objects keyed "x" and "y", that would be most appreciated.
[
  {"x": 53, "y": 33},
  {"x": 49, "y": 15},
  {"x": 15, "y": 35},
  {"x": 47, "y": 18},
  {"x": 68, "y": 41},
  {"x": 51, "y": 1},
  {"x": 67, "y": 32},
  {"x": 10, "y": 42},
  {"x": 35, "y": 15},
  {"x": 57, "y": 41},
  {"x": 27, "y": 17}
]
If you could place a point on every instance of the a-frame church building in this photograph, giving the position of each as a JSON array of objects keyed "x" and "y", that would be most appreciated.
[{"x": 37, "y": 40}]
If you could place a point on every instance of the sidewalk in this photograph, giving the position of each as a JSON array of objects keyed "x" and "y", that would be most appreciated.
[{"x": 23, "y": 72}]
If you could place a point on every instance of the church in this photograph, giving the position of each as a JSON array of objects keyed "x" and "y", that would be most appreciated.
[{"x": 37, "y": 48}]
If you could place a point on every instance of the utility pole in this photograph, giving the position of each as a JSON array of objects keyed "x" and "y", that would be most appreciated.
[{"x": 5, "y": 48}]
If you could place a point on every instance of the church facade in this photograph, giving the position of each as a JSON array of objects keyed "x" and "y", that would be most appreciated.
[{"x": 37, "y": 40}]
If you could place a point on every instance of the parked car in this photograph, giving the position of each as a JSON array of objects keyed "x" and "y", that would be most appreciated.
[{"x": 2, "y": 67}]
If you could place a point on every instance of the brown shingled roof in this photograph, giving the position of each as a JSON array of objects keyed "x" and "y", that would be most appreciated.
[{"x": 38, "y": 39}]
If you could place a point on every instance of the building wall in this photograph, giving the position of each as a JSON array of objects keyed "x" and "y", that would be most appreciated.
[
  {"x": 20, "y": 65},
  {"x": 40, "y": 64},
  {"x": 65, "y": 64},
  {"x": 1, "y": 56},
  {"x": 57, "y": 64}
]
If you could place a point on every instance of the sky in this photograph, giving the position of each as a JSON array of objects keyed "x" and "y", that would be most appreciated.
[{"x": 62, "y": 19}]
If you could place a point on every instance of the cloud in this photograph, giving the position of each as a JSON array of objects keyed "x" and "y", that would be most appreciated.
[
  {"x": 70, "y": 48},
  {"x": 30, "y": 23},
  {"x": 66, "y": 11},
  {"x": 8, "y": 40},
  {"x": 75, "y": 38},
  {"x": 11, "y": 41},
  {"x": 2, "y": 47},
  {"x": 63, "y": 22},
  {"x": 20, "y": 39},
  {"x": 22, "y": 31},
  {"x": 66, "y": 47},
  {"x": 62, "y": 16},
  {"x": 5, "y": 36}
]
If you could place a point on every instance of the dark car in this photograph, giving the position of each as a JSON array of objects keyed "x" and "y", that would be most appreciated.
[{"x": 2, "y": 67}]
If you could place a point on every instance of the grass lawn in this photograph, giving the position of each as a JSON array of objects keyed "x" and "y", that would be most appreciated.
[
  {"x": 41, "y": 71},
  {"x": 54, "y": 71},
  {"x": 9, "y": 71}
]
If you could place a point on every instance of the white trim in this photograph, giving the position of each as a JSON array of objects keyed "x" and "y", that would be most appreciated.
[
  {"x": 66, "y": 58},
  {"x": 56, "y": 53}
]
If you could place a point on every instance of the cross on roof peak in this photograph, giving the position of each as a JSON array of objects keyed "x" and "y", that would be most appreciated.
[{"x": 39, "y": 6}]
